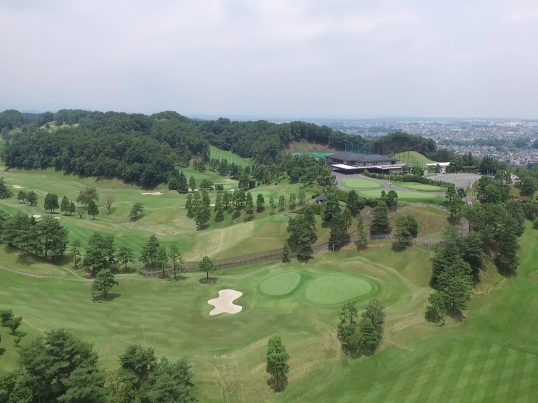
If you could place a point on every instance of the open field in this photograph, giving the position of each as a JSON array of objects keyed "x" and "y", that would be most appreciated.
[
  {"x": 412, "y": 158},
  {"x": 360, "y": 184},
  {"x": 413, "y": 197},
  {"x": 228, "y": 156},
  {"x": 491, "y": 357},
  {"x": 418, "y": 186}
]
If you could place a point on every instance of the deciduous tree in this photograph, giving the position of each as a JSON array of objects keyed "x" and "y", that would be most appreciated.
[
  {"x": 103, "y": 283},
  {"x": 51, "y": 202},
  {"x": 149, "y": 251},
  {"x": 277, "y": 363},
  {"x": 207, "y": 266}
]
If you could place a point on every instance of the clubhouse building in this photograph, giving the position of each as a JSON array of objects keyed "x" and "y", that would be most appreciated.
[{"x": 351, "y": 163}]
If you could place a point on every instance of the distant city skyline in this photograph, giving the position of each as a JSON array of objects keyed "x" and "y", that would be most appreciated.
[{"x": 273, "y": 59}]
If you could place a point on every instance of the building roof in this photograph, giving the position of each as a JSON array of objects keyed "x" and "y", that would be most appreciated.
[{"x": 348, "y": 156}]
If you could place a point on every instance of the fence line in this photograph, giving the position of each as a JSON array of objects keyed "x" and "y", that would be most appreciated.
[{"x": 267, "y": 256}]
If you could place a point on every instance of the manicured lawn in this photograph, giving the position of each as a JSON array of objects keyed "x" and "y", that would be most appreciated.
[
  {"x": 413, "y": 158},
  {"x": 492, "y": 357},
  {"x": 360, "y": 184},
  {"x": 419, "y": 186}
]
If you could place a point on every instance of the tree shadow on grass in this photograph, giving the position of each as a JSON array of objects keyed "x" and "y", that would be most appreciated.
[
  {"x": 2, "y": 351},
  {"x": 280, "y": 385},
  {"x": 208, "y": 281},
  {"x": 109, "y": 297},
  {"x": 26, "y": 259},
  {"x": 457, "y": 316},
  {"x": 178, "y": 277}
]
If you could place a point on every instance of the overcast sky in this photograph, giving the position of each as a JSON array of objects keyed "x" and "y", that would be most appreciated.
[{"x": 278, "y": 58}]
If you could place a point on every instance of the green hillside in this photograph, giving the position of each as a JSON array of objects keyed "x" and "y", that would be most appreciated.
[{"x": 413, "y": 158}]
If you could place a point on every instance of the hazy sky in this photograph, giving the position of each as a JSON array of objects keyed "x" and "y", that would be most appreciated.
[{"x": 277, "y": 58}]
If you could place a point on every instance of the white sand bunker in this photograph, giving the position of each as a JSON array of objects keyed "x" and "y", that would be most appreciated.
[
  {"x": 37, "y": 217},
  {"x": 224, "y": 303},
  {"x": 153, "y": 193},
  {"x": 17, "y": 187}
]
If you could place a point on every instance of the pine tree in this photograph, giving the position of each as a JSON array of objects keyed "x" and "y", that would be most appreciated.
[
  {"x": 162, "y": 259},
  {"x": 93, "y": 210},
  {"x": 332, "y": 206},
  {"x": 362, "y": 242},
  {"x": 260, "y": 202},
  {"x": 192, "y": 183},
  {"x": 286, "y": 253},
  {"x": 189, "y": 206},
  {"x": 125, "y": 255},
  {"x": 64, "y": 206},
  {"x": 310, "y": 221},
  {"x": 354, "y": 203},
  {"x": 32, "y": 198},
  {"x": 22, "y": 196},
  {"x": 281, "y": 202},
  {"x": 348, "y": 220},
  {"x": 72, "y": 208},
  {"x": 337, "y": 230},
  {"x": 149, "y": 251},
  {"x": 293, "y": 201},
  {"x": 182, "y": 184},
  {"x": 304, "y": 247},
  {"x": 203, "y": 214},
  {"x": 136, "y": 211},
  {"x": 380, "y": 223},
  {"x": 272, "y": 204},
  {"x": 249, "y": 205},
  {"x": 176, "y": 259},
  {"x": 226, "y": 199},
  {"x": 348, "y": 330}
]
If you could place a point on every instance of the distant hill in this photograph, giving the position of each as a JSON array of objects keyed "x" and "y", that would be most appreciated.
[{"x": 413, "y": 158}]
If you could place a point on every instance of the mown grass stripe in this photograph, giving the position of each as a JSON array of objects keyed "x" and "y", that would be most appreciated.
[
  {"x": 491, "y": 376},
  {"x": 459, "y": 390},
  {"x": 506, "y": 375},
  {"x": 448, "y": 368},
  {"x": 494, "y": 352},
  {"x": 528, "y": 378},
  {"x": 488, "y": 351},
  {"x": 423, "y": 378}
]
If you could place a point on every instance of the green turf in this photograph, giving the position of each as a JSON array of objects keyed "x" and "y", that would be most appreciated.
[
  {"x": 336, "y": 289},
  {"x": 360, "y": 184},
  {"x": 491, "y": 357},
  {"x": 228, "y": 156},
  {"x": 419, "y": 186},
  {"x": 281, "y": 283}
]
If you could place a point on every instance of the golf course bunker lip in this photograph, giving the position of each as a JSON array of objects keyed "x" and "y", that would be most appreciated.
[
  {"x": 17, "y": 187},
  {"x": 152, "y": 193},
  {"x": 225, "y": 302},
  {"x": 334, "y": 289},
  {"x": 280, "y": 283}
]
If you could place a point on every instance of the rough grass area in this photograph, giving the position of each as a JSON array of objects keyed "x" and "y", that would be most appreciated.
[
  {"x": 228, "y": 156},
  {"x": 492, "y": 356},
  {"x": 414, "y": 197},
  {"x": 419, "y": 186},
  {"x": 360, "y": 184},
  {"x": 430, "y": 219},
  {"x": 281, "y": 283}
]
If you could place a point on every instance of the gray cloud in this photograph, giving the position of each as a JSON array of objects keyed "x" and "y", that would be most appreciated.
[{"x": 272, "y": 58}]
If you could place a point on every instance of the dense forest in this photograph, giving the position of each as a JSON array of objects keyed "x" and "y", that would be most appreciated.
[{"x": 146, "y": 149}]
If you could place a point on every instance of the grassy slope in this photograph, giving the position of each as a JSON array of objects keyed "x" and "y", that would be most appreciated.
[
  {"x": 413, "y": 158},
  {"x": 165, "y": 216},
  {"x": 228, "y": 156},
  {"x": 491, "y": 357}
]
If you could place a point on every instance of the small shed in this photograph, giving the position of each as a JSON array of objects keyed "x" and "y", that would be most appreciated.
[{"x": 321, "y": 199}]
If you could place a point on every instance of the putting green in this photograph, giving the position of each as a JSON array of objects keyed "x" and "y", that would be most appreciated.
[
  {"x": 360, "y": 184},
  {"x": 281, "y": 283},
  {"x": 334, "y": 289},
  {"x": 419, "y": 186}
]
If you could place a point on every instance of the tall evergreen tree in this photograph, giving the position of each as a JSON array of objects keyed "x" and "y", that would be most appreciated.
[
  {"x": 380, "y": 223},
  {"x": 332, "y": 206},
  {"x": 249, "y": 205},
  {"x": 149, "y": 251},
  {"x": 93, "y": 210},
  {"x": 64, "y": 206},
  {"x": 260, "y": 202},
  {"x": 362, "y": 241},
  {"x": 182, "y": 184}
]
